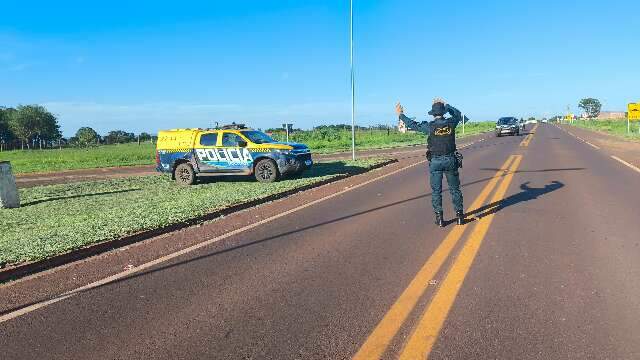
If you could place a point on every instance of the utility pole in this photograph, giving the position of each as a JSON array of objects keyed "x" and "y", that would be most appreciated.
[{"x": 353, "y": 90}]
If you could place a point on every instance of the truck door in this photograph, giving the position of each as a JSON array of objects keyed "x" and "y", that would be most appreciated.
[
  {"x": 235, "y": 153},
  {"x": 206, "y": 153}
]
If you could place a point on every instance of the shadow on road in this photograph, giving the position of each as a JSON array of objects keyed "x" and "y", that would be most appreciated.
[
  {"x": 527, "y": 194},
  {"x": 537, "y": 171},
  {"x": 334, "y": 167}
]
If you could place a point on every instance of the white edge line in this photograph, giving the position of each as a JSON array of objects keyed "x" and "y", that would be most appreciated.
[
  {"x": 66, "y": 265},
  {"x": 626, "y": 163},
  {"x": 593, "y": 146},
  {"x": 95, "y": 284}
]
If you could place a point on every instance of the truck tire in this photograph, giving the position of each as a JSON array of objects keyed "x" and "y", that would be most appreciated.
[
  {"x": 184, "y": 174},
  {"x": 266, "y": 171}
]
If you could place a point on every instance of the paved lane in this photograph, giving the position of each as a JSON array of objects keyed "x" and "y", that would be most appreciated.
[
  {"x": 552, "y": 276},
  {"x": 556, "y": 277}
]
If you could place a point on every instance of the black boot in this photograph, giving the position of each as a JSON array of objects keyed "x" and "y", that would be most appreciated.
[
  {"x": 460, "y": 216},
  {"x": 439, "y": 219}
]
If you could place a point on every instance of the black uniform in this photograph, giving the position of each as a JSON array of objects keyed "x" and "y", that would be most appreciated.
[{"x": 441, "y": 152}]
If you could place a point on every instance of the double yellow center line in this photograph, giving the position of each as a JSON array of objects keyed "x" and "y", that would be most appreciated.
[
  {"x": 527, "y": 139},
  {"x": 425, "y": 333}
]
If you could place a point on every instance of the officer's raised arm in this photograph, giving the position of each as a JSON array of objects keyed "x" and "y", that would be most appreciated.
[
  {"x": 456, "y": 115},
  {"x": 410, "y": 123}
]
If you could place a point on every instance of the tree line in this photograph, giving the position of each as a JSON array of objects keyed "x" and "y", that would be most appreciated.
[
  {"x": 336, "y": 127},
  {"x": 33, "y": 126}
]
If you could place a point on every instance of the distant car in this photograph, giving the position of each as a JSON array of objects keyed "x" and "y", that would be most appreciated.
[
  {"x": 231, "y": 150},
  {"x": 507, "y": 126}
]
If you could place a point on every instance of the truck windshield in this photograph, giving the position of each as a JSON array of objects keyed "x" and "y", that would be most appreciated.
[
  {"x": 507, "y": 121},
  {"x": 258, "y": 137}
]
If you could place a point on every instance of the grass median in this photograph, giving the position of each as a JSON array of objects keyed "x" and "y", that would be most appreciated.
[
  {"x": 334, "y": 140},
  {"x": 50, "y": 160},
  {"x": 59, "y": 218},
  {"x": 320, "y": 141}
]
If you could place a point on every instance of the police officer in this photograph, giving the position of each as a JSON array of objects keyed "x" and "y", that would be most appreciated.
[{"x": 441, "y": 153}]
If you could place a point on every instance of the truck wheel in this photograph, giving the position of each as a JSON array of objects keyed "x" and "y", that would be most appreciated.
[
  {"x": 184, "y": 174},
  {"x": 266, "y": 171}
]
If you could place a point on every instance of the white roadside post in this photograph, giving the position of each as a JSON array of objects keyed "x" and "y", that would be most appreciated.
[
  {"x": 288, "y": 128},
  {"x": 8, "y": 190},
  {"x": 463, "y": 123}
]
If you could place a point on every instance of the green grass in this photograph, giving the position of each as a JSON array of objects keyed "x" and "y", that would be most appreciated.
[
  {"x": 613, "y": 127},
  {"x": 30, "y": 161},
  {"x": 51, "y": 160},
  {"x": 58, "y": 218},
  {"x": 327, "y": 141}
]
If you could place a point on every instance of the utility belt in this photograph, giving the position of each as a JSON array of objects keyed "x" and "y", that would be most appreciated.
[{"x": 455, "y": 154}]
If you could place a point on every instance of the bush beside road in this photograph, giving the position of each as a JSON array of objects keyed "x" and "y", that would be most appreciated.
[{"x": 60, "y": 218}]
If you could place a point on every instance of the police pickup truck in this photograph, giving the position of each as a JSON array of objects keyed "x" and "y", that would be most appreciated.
[{"x": 187, "y": 154}]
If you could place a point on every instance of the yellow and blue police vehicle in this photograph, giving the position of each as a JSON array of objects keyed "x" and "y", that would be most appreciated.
[{"x": 187, "y": 154}]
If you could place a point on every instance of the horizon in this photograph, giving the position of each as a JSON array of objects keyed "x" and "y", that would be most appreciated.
[{"x": 149, "y": 66}]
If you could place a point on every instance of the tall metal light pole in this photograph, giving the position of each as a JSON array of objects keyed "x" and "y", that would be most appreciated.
[{"x": 353, "y": 87}]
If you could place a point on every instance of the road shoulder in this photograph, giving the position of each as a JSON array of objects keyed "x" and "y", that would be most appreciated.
[{"x": 626, "y": 150}]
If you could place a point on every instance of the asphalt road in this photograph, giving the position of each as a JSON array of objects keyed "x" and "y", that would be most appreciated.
[{"x": 547, "y": 268}]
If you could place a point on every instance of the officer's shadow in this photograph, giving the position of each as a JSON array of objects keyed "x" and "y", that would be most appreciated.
[{"x": 527, "y": 194}]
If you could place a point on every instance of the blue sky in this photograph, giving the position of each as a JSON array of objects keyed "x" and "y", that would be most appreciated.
[{"x": 149, "y": 65}]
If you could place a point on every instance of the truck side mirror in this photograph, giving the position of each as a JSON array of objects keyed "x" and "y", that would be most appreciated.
[{"x": 242, "y": 143}]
